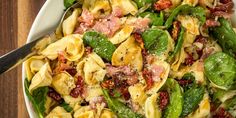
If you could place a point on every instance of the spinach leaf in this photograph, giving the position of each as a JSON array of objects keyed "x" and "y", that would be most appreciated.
[
  {"x": 142, "y": 3},
  {"x": 156, "y": 20},
  {"x": 198, "y": 12},
  {"x": 179, "y": 43},
  {"x": 175, "y": 105},
  {"x": 38, "y": 98},
  {"x": 68, "y": 3},
  {"x": 190, "y": 77},
  {"x": 66, "y": 106},
  {"x": 220, "y": 69},
  {"x": 192, "y": 97},
  {"x": 100, "y": 44},
  {"x": 155, "y": 41},
  {"x": 225, "y": 35},
  {"x": 119, "y": 108}
]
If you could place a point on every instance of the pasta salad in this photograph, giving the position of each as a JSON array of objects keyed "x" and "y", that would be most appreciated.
[{"x": 138, "y": 59}]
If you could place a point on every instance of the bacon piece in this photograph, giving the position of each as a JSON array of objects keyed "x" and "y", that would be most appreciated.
[
  {"x": 61, "y": 58},
  {"x": 212, "y": 23},
  {"x": 113, "y": 71},
  {"x": 86, "y": 17},
  {"x": 176, "y": 29},
  {"x": 79, "y": 89},
  {"x": 147, "y": 75},
  {"x": 108, "y": 26},
  {"x": 54, "y": 95},
  {"x": 223, "y": 10},
  {"x": 222, "y": 14},
  {"x": 117, "y": 11},
  {"x": 71, "y": 71},
  {"x": 222, "y": 113},
  {"x": 139, "y": 39},
  {"x": 125, "y": 93},
  {"x": 109, "y": 84},
  {"x": 225, "y": 1},
  {"x": 97, "y": 100},
  {"x": 141, "y": 24},
  {"x": 132, "y": 79},
  {"x": 157, "y": 72},
  {"x": 164, "y": 99},
  {"x": 162, "y": 4}
]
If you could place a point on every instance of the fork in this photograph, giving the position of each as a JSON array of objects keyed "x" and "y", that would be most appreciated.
[{"x": 17, "y": 56}]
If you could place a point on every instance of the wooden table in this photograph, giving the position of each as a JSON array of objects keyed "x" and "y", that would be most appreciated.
[{"x": 16, "y": 17}]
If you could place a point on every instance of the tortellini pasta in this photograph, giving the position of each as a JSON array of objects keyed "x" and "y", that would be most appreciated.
[
  {"x": 151, "y": 107},
  {"x": 128, "y": 53},
  {"x": 203, "y": 110},
  {"x": 42, "y": 78},
  {"x": 69, "y": 24},
  {"x": 97, "y": 7},
  {"x": 198, "y": 72},
  {"x": 160, "y": 81},
  {"x": 137, "y": 93},
  {"x": 49, "y": 103},
  {"x": 93, "y": 91},
  {"x": 122, "y": 35},
  {"x": 72, "y": 101},
  {"x": 127, "y": 6},
  {"x": 59, "y": 112},
  {"x": 92, "y": 69},
  {"x": 190, "y": 2},
  {"x": 71, "y": 46},
  {"x": 84, "y": 112},
  {"x": 190, "y": 23},
  {"x": 33, "y": 65},
  {"x": 106, "y": 113},
  {"x": 63, "y": 83}
]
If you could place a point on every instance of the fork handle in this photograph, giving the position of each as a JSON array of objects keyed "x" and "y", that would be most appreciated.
[{"x": 17, "y": 56}]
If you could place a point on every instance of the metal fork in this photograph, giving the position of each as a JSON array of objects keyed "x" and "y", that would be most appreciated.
[{"x": 17, "y": 56}]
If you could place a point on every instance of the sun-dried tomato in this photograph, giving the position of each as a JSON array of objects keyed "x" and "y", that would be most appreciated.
[
  {"x": 189, "y": 59},
  {"x": 71, "y": 71},
  {"x": 147, "y": 75},
  {"x": 222, "y": 113},
  {"x": 176, "y": 29},
  {"x": 79, "y": 89},
  {"x": 54, "y": 95},
  {"x": 184, "y": 82},
  {"x": 162, "y": 4},
  {"x": 164, "y": 99},
  {"x": 139, "y": 39},
  {"x": 125, "y": 93}
]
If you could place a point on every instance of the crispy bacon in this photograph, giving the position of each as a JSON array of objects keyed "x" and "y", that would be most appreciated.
[
  {"x": 97, "y": 100},
  {"x": 212, "y": 23},
  {"x": 132, "y": 79},
  {"x": 109, "y": 84},
  {"x": 223, "y": 10},
  {"x": 79, "y": 89},
  {"x": 164, "y": 99},
  {"x": 189, "y": 60},
  {"x": 176, "y": 29},
  {"x": 86, "y": 18},
  {"x": 222, "y": 113},
  {"x": 117, "y": 11},
  {"x": 147, "y": 75},
  {"x": 123, "y": 70},
  {"x": 139, "y": 39},
  {"x": 54, "y": 95},
  {"x": 162, "y": 4}
]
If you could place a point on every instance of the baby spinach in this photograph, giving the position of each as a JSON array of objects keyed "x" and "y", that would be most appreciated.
[
  {"x": 220, "y": 69},
  {"x": 156, "y": 19},
  {"x": 66, "y": 106},
  {"x": 155, "y": 41},
  {"x": 225, "y": 35},
  {"x": 179, "y": 43},
  {"x": 174, "y": 108},
  {"x": 119, "y": 108},
  {"x": 100, "y": 44},
  {"x": 192, "y": 97},
  {"x": 68, "y": 3},
  {"x": 198, "y": 12},
  {"x": 142, "y": 3},
  {"x": 38, "y": 98}
]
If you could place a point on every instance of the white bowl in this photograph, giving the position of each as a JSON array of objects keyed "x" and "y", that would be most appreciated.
[{"x": 48, "y": 19}]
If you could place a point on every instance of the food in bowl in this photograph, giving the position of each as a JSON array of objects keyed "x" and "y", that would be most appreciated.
[{"x": 137, "y": 59}]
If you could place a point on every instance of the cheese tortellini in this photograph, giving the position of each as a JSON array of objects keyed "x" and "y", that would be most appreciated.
[
  {"x": 42, "y": 78},
  {"x": 137, "y": 93},
  {"x": 69, "y": 24},
  {"x": 59, "y": 112},
  {"x": 97, "y": 7},
  {"x": 71, "y": 46},
  {"x": 122, "y": 35},
  {"x": 84, "y": 112},
  {"x": 92, "y": 69},
  {"x": 127, "y": 6},
  {"x": 33, "y": 65},
  {"x": 151, "y": 107},
  {"x": 128, "y": 53},
  {"x": 63, "y": 83},
  {"x": 106, "y": 113}
]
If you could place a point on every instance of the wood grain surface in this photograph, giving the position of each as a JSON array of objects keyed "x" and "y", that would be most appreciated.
[{"x": 16, "y": 18}]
